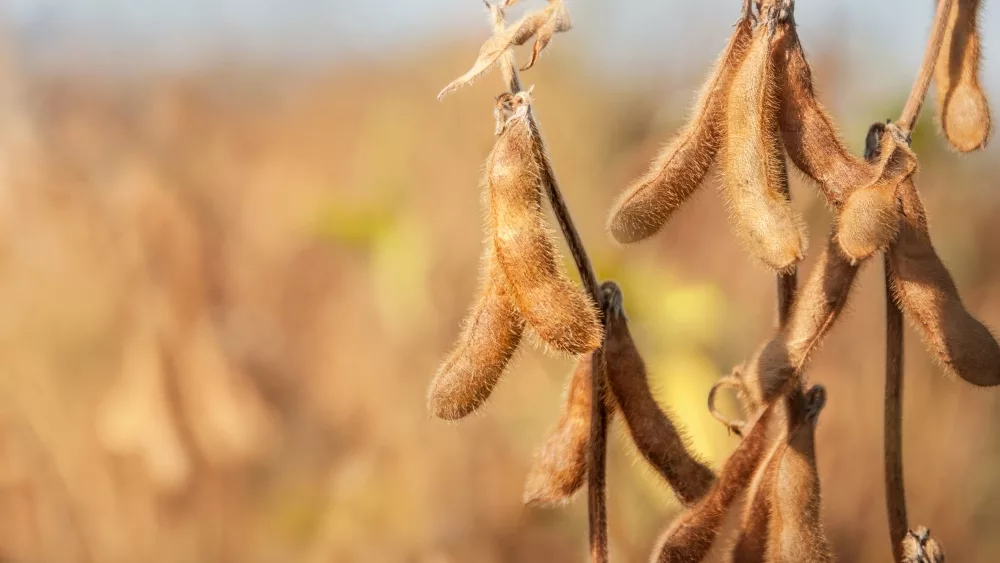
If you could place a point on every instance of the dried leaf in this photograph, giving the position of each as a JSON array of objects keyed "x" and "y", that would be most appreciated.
[{"x": 546, "y": 22}]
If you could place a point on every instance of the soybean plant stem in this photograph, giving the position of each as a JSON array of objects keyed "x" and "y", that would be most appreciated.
[
  {"x": 915, "y": 101},
  {"x": 895, "y": 493}
]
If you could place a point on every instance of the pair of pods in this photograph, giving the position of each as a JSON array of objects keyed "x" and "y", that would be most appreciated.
[
  {"x": 560, "y": 464},
  {"x": 523, "y": 284}
]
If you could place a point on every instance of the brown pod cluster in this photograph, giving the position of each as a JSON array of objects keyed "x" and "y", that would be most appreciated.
[
  {"x": 919, "y": 547},
  {"x": 754, "y": 174},
  {"x": 561, "y": 463},
  {"x": 869, "y": 218},
  {"x": 795, "y": 533},
  {"x": 963, "y": 111},
  {"x": 657, "y": 438},
  {"x": 558, "y": 310},
  {"x": 927, "y": 294},
  {"x": 681, "y": 165},
  {"x": 691, "y": 535},
  {"x": 489, "y": 338}
]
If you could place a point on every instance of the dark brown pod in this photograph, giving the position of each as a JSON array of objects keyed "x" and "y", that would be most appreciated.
[
  {"x": 927, "y": 295},
  {"x": 657, "y": 438},
  {"x": 692, "y": 534},
  {"x": 561, "y": 463}
]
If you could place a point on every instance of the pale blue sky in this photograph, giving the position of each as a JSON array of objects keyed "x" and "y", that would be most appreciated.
[{"x": 882, "y": 37}]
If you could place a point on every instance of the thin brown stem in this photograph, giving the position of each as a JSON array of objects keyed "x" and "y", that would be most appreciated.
[
  {"x": 787, "y": 283},
  {"x": 915, "y": 101},
  {"x": 895, "y": 493},
  {"x": 597, "y": 450},
  {"x": 895, "y": 496}
]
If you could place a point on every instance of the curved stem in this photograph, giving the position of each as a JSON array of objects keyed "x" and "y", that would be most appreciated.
[{"x": 915, "y": 101}]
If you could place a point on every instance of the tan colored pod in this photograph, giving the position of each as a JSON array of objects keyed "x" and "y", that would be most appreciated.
[
  {"x": 795, "y": 531},
  {"x": 657, "y": 438},
  {"x": 869, "y": 218},
  {"x": 558, "y": 310},
  {"x": 751, "y": 544},
  {"x": 820, "y": 301},
  {"x": 561, "y": 463},
  {"x": 927, "y": 294},
  {"x": 681, "y": 165},
  {"x": 754, "y": 174},
  {"x": 809, "y": 134},
  {"x": 963, "y": 111},
  {"x": 691, "y": 535},
  {"x": 489, "y": 338}
]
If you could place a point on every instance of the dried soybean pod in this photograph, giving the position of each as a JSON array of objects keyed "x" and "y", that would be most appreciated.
[
  {"x": 963, "y": 111},
  {"x": 919, "y": 547},
  {"x": 751, "y": 544},
  {"x": 927, "y": 294},
  {"x": 657, "y": 438},
  {"x": 489, "y": 338},
  {"x": 869, "y": 218},
  {"x": 561, "y": 463},
  {"x": 681, "y": 165},
  {"x": 562, "y": 315},
  {"x": 754, "y": 173},
  {"x": 809, "y": 134},
  {"x": 692, "y": 534},
  {"x": 818, "y": 305},
  {"x": 795, "y": 533}
]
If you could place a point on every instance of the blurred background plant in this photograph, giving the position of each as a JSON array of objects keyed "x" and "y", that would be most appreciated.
[{"x": 229, "y": 267}]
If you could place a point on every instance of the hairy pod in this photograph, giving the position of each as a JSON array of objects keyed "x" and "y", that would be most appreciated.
[
  {"x": 657, "y": 438},
  {"x": 561, "y": 463},
  {"x": 558, "y": 310},
  {"x": 754, "y": 174},
  {"x": 808, "y": 133},
  {"x": 681, "y": 165},
  {"x": 692, "y": 534},
  {"x": 869, "y": 218},
  {"x": 919, "y": 547},
  {"x": 489, "y": 338},
  {"x": 795, "y": 533},
  {"x": 755, "y": 523},
  {"x": 820, "y": 301},
  {"x": 963, "y": 111},
  {"x": 751, "y": 544},
  {"x": 926, "y": 292}
]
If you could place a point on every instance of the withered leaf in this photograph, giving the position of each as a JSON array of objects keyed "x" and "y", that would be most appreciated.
[{"x": 546, "y": 22}]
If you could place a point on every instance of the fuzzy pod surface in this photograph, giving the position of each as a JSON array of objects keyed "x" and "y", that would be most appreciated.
[
  {"x": 963, "y": 111},
  {"x": 927, "y": 294},
  {"x": 561, "y": 314},
  {"x": 656, "y": 436},
  {"x": 754, "y": 175},
  {"x": 680, "y": 167}
]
